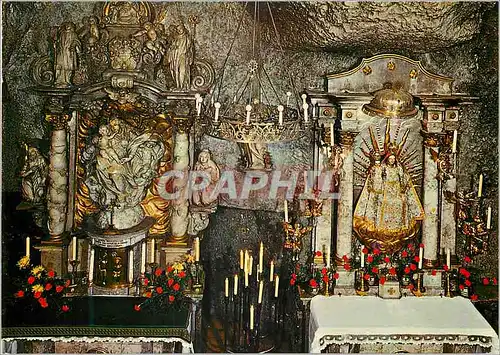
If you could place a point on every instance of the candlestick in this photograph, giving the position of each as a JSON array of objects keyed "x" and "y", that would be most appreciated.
[
  {"x": 248, "y": 108},
  {"x": 304, "y": 97},
  {"x": 271, "y": 271},
  {"x": 241, "y": 259},
  {"x": 143, "y": 258},
  {"x": 454, "y": 145},
  {"x": 448, "y": 258},
  {"x": 196, "y": 249},
  {"x": 226, "y": 288},
  {"x": 130, "y": 266},
  {"x": 74, "y": 249},
  {"x": 91, "y": 265},
  {"x": 28, "y": 247},
  {"x": 488, "y": 220},
  {"x": 152, "y": 252},
  {"x": 217, "y": 108},
  {"x": 288, "y": 94},
  {"x": 235, "y": 284},
  {"x": 305, "y": 107},
  {"x": 261, "y": 287},
  {"x": 251, "y": 316},
  {"x": 362, "y": 256},
  {"x": 332, "y": 135},
  {"x": 276, "y": 286},
  {"x": 420, "y": 257},
  {"x": 328, "y": 258},
  {"x": 246, "y": 278},
  {"x": 286, "y": 210},
  {"x": 480, "y": 189},
  {"x": 261, "y": 257},
  {"x": 280, "y": 114}
]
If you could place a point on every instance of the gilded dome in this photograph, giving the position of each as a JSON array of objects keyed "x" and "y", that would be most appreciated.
[{"x": 391, "y": 102}]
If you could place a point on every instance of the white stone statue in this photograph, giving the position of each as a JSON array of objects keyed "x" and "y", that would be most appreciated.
[
  {"x": 179, "y": 55},
  {"x": 34, "y": 175},
  {"x": 66, "y": 54},
  {"x": 210, "y": 170},
  {"x": 120, "y": 166}
]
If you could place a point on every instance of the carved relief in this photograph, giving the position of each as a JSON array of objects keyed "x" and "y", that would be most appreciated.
[{"x": 34, "y": 175}]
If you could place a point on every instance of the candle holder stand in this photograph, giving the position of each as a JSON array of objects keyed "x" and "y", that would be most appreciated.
[
  {"x": 419, "y": 289},
  {"x": 197, "y": 286},
  {"x": 447, "y": 285},
  {"x": 74, "y": 267},
  {"x": 362, "y": 286}
]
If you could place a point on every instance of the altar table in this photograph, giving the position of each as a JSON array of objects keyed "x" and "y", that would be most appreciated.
[
  {"x": 98, "y": 324},
  {"x": 439, "y": 322}
]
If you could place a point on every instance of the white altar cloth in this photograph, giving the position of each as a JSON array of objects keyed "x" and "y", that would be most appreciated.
[{"x": 365, "y": 320}]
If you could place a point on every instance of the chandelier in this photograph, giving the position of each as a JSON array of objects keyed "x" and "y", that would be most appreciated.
[{"x": 254, "y": 115}]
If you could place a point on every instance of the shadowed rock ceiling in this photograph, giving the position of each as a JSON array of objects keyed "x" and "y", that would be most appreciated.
[{"x": 344, "y": 26}]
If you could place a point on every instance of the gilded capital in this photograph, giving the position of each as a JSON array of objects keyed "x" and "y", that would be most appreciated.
[
  {"x": 58, "y": 121},
  {"x": 432, "y": 139},
  {"x": 182, "y": 124},
  {"x": 347, "y": 138}
]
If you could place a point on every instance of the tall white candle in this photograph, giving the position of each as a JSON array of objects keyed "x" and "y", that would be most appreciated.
[
  {"x": 328, "y": 257},
  {"x": 261, "y": 256},
  {"x": 332, "y": 135},
  {"x": 245, "y": 266},
  {"x": 74, "y": 249},
  {"x": 306, "y": 117},
  {"x": 226, "y": 287},
  {"x": 271, "y": 271},
  {"x": 454, "y": 145},
  {"x": 246, "y": 278},
  {"x": 91, "y": 265},
  {"x": 28, "y": 247},
  {"x": 196, "y": 249},
  {"x": 488, "y": 220},
  {"x": 235, "y": 284},
  {"x": 480, "y": 189},
  {"x": 304, "y": 97},
  {"x": 248, "y": 108},
  {"x": 420, "y": 257},
  {"x": 251, "y": 317},
  {"x": 276, "y": 286},
  {"x": 280, "y": 115},
  {"x": 448, "y": 257},
  {"x": 261, "y": 288},
  {"x": 241, "y": 259},
  {"x": 217, "y": 108},
  {"x": 288, "y": 94},
  {"x": 143, "y": 258},
  {"x": 286, "y": 210},
  {"x": 250, "y": 266},
  {"x": 152, "y": 251},
  {"x": 362, "y": 256},
  {"x": 130, "y": 266}
]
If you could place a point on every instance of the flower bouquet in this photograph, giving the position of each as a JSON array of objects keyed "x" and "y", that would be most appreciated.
[{"x": 312, "y": 281}]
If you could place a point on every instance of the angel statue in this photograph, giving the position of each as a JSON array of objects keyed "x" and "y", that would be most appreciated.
[
  {"x": 388, "y": 211},
  {"x": 294, "y": 234},
  {"x": 179, "y": 55},
  {"x": 209, "y": 170},
  {"x": 34, "y": 175}
]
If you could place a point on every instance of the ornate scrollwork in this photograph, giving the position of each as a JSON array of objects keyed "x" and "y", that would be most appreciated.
[
  {"x": 43, "y": 71},
  {"x": 203, "y": 75}
]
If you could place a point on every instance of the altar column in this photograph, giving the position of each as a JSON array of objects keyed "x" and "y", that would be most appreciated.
[
  {"x": 345, "y": 202},
  {"x": 430, "y": 201},
  {"x": 180, "y": 206}
]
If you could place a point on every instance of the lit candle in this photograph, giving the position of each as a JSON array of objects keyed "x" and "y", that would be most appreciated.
[
  {"x": 248, "y": 108},
  {"x": 288, "y": 94},
  {"x": 328, "y": 258},
  {"x": 226, "y": 288},
  {"x": 196, "y": 249},
  {"x": 235, "y": 284},
  {"x": 304, "y": 97},
  {"x": 488, "y": 220},
  {"x": 130, "y": 266},
  {"x": 305, "y": 107},
  {"x": 261, "y": 257},
  {"x": 251, "y": 317},
  {"x": 261, "y": 287},
  {"x": 28, "y": 247},
  {"x": 91, "y": 265},
  {"x": 199, "y": 101},
  {"x": 332, "y": 135},
  {"x": 276, "y": 286},
  {"x": 217, "y": 108},
  {"x": 286, "y": 210},
  {"x": 454, "y": 145},
  {"x": 250, "y": 266},
  {"x": 280, "y": 115},
  {"x": 245, "y": 267},
  {"x": 74, "y": 249},
  {"x": 241, "y": 259},
  {"x": 246, "y": 278},
  {"x": 152, "y": 252},
  {"x": 420, "y": 257},
  {"x": 362, "y": 256},
  {"x": 448, "y": 257},
  {"x": 480, "y": 190},
  {"x": 271, "y": 271},
  {"x": 143, "y": 258}
]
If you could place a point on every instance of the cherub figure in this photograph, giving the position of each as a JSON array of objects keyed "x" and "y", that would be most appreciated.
[{"x": 294, "y": 234}]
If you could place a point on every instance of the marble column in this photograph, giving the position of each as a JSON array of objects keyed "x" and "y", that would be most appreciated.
[
  {"x": 430, "y": 201},
  {"x": 57, "y": 199},
  {"x": 448, "y": 223},
  {"x": 345, "y": 202},
  {"x": 180, "y": 206}
]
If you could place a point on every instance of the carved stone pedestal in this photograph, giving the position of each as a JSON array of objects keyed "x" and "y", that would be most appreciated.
[
  {"x": 171, "y": 254},
  {"x": 54, "y": 257},
  {"x": 346, "y": 279}
]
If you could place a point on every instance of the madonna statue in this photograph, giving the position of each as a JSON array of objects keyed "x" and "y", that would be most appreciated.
[{"x": 388, "y": 211}]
